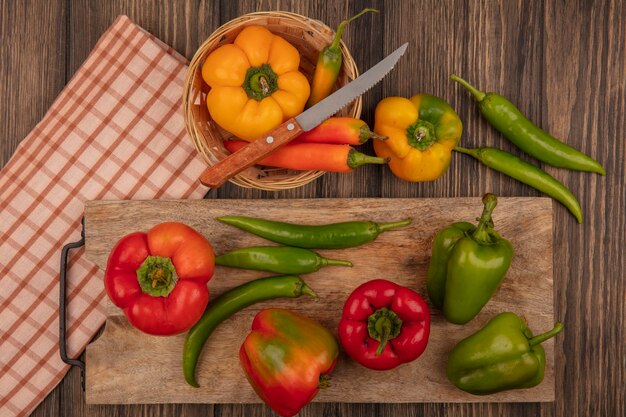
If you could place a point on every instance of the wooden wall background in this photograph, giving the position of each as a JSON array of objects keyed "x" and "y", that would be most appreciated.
[{"x": 562, "y": 62}]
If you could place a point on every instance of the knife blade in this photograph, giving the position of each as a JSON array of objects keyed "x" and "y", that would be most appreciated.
[{"x": 230, "y": 166}]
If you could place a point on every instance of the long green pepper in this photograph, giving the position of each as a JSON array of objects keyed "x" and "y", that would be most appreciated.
[
  {"x": 527, "y": 173},
  {"x": 508, "y": 120},
  {"x": 326, "y": 236},
  {"x": 277, "y": 259}
]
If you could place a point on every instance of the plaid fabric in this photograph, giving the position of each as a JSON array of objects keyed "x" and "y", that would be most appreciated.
[{"x": 115, "y": 132}]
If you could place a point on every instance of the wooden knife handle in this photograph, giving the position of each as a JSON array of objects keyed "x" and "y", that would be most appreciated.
[{"x": 233, "y": 164}]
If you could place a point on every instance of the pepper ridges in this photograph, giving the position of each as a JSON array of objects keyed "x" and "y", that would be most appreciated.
[
  {"x": 467, "y": 265},
  {"x": 159, "y": 278},
  {"x": 503, "y": 355},
  {"x": 384, "y": 325},
  {"x": 286, "y": 358}
]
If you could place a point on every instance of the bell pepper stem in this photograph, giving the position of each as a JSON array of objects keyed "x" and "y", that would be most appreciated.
[
  {"x": 481, "y": 234},
  {"x": 478, "y": 95},
  {"x": 260, "y": 82},
  {"x": 157, "y": 276},
  {"x": 421, "y": 134},
  {"x": 324, "y": 382},
  {"x": 335, "y": 43},
  {"x": 383, "y": 325},
  {"x": 383, "y": 227},
  {"x": 540, "y": 338}
]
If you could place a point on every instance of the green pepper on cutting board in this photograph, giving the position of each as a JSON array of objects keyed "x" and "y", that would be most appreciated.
[
  {"x": 467, "y": 265},
  {"x": 501, "y": 356},
  {"x": 277, "y": 259}
]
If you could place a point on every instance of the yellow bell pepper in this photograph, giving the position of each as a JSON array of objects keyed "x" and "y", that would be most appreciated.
[
  {"x": 255, "y": 83},
  {"x": 421, "y": 133}
]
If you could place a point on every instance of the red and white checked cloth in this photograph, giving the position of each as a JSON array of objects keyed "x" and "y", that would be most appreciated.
[{"x": 115, "y": 132}]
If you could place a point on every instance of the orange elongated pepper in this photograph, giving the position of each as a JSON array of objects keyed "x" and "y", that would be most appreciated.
[
  {"x": 312, "y": 156},
  {"x": 340, "y": 130},
  {"x": 329, "y": 63}
]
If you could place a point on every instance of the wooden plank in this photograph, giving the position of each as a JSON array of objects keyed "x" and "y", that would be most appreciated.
[
  {"x": 121, "y": 366},
  {"x": 26, "y": 95},
  {"x": 584, "y": 90}
]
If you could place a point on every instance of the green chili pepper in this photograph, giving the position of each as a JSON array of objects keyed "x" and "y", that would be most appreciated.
[
  {"x": 501, "y": 356},
  {"x": 278, "y": 259},
  {"x": 328, "y": 64},
  {"x": 466, "y": 271},
  {"x": 326, "y": 236},
  {"x": 508, "y": 120},
  {"x": 228, "y": 304},
  {"x": 527, "y": 173}
]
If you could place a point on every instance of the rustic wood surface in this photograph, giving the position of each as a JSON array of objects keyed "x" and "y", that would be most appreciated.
[
  {"x": 120, "y": 363},
  {"x": 562, "y": 62}
]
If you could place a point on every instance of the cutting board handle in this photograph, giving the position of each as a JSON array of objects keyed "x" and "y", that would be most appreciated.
[
  {"x": 250, "y": 154},
  {"x": 63, "y": 305}
]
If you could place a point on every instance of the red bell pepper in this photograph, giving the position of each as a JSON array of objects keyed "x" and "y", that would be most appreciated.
[
  {"x": 159, "y": 278},
  {"x": 384, "y": 325},
  {"x": 286, "y": 358}
]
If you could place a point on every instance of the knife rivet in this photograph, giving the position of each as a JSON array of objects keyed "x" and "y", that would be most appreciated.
[
  {"x": 269, "y": 139},
  {"x": 290, "y": 126}
]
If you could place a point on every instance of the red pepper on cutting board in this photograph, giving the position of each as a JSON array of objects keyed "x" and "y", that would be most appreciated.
[
  {"x": 384, "y": 325},
  {"x": 159, "y": 278},
  {"x": 286, "y": 358}
]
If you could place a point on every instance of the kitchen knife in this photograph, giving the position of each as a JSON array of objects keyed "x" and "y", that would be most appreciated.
[{"x": 255, "y": 151}]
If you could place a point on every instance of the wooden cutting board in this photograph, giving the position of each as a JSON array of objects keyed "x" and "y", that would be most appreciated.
[{"x": 127, "y": 366}]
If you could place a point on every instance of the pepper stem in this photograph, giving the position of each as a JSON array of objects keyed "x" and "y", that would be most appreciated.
[
  {"x": 383, "y": 326},
  {"x": 540, "y": 338},
  {"x": 157, "y": 276},
  {"x": 478, "y": 95},
  {"x": 336, "y": 262},
  {"x": 421, "y": 134},
  {"x": 356, "y": 159},
  {"x": 324, "y": 382},
  {"x": 260, "y": 82},
  {"x": 383, "y": 227},
  {"x": 470, "y": 152},
  {"x": 365, "y": 133},
  {"x": 305, "y": 289},
  {"x": 481, "y": 234},
  {"x": 335, "y": 43}
]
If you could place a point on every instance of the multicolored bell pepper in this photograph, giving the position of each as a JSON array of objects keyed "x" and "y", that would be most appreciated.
[
  {"x": 286, "y": 358},
  {"x": 501, "y": 356},
  {"x": 421, "y": 131},
  {"x": 159, "y": 278},
  {"x": 384, "y": 325}
]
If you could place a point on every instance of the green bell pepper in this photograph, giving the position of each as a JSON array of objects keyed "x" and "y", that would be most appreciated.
[
  {"x": 501, "y": 356},
  {"x": 467, "y": 265}
]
